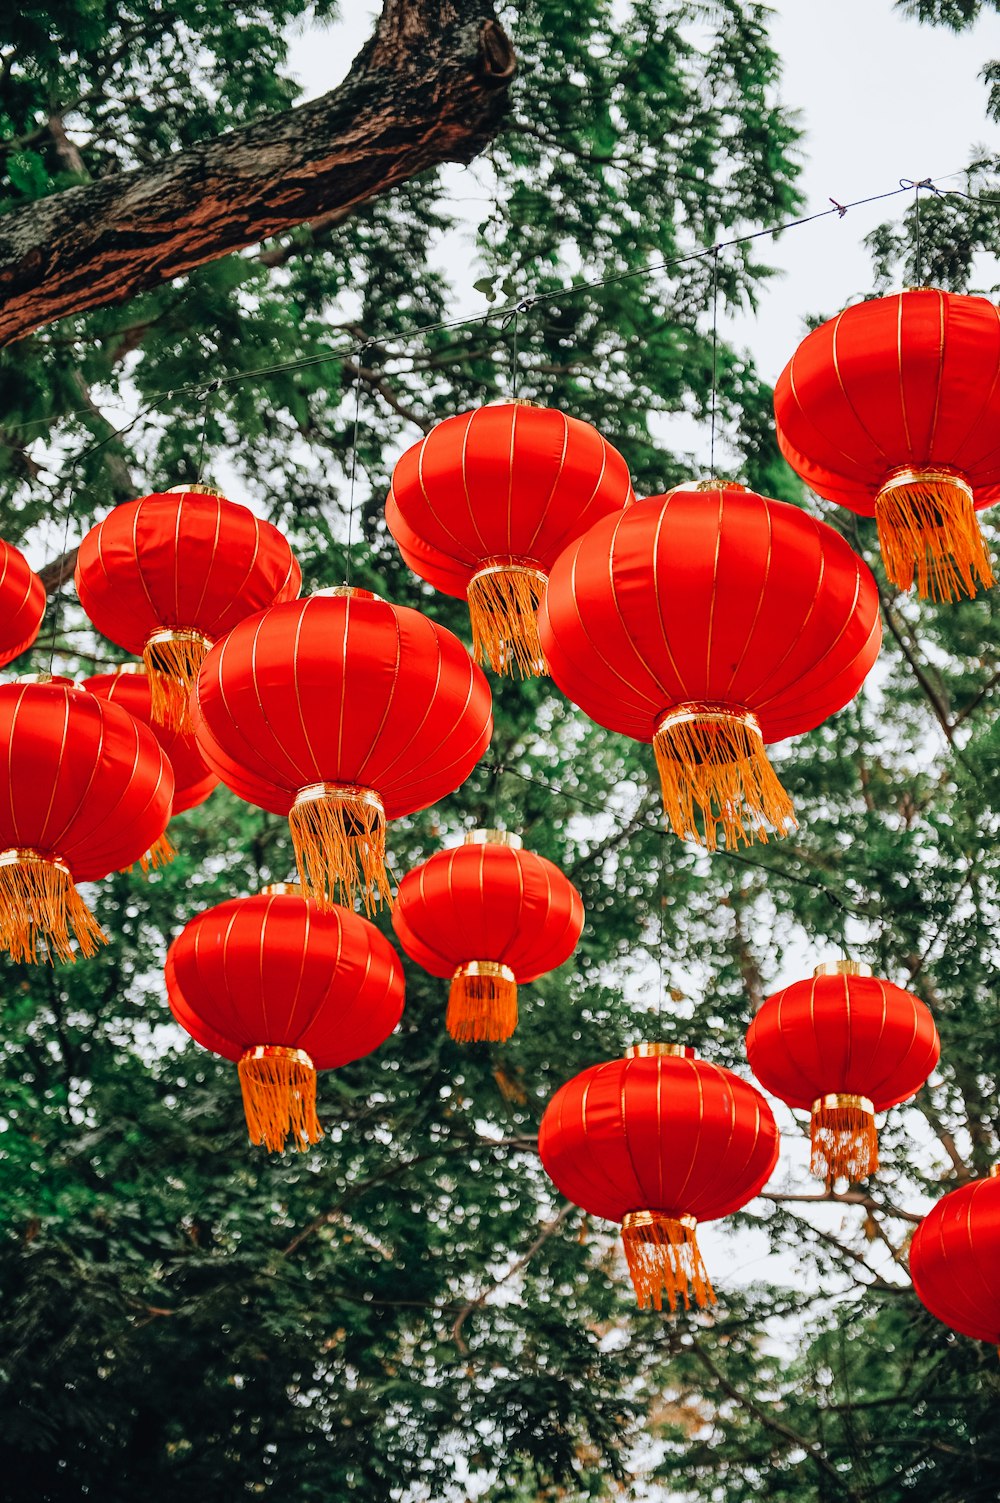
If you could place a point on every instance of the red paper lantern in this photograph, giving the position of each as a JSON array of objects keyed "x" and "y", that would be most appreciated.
[
  {"x": 169, "y": 574},
  {"x": 891, "y": 409},
  {"x": 193, "y": 781},
  {"x": 709, "y": 622},
  {"x": 283, "y": 989},
  {"x": 342, "y": 711},
  {"x": 843, "y": 1046},
  {"x": 490, "y": 916},
  {"x": 22, "y": 603},
  {"x": 484, "y": 504},
  {"x": 954, "y": 1257},
  {"x": 87, "y": 791},
  {"x": 659, "y": 1141}
]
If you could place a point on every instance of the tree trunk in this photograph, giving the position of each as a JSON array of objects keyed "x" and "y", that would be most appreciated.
[{"x": 430, "y": 86}]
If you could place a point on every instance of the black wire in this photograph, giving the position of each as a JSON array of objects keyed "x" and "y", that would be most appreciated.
[
  {"x": 715, "y": 354},
  {"x": 210, "y": 391},
  {"x": 354, "y": 469}
]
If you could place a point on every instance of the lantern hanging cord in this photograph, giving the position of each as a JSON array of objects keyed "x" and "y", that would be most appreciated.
[
  {"x": 715, "y": 354},
  {"x": 354, "y": 466},
  {"x": 210, "y": 391}
]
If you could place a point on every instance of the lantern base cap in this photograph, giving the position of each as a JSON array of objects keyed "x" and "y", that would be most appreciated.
[
  {"x": 665, "y": 1261},
  {"x": 504, "y": 595},
  {"x": 482, "y": 1003},
  {"x": 928, "y": 531},
  {"x": 41, "y": 911},
  {"x": 279, "y": 1097},
  {"x": 338, "y": 835},
  {"x": 843, "y": 1139},
  {"x": 173, "y": 657},
  {"x": 715, "y": 776}
]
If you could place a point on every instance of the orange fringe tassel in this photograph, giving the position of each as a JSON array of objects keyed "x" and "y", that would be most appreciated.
[
  {"x": 338, "y": 835},
  {"x": 927, "y": 526},
  {"x": 664, "y": 1259},
  {"x": 482, "y": 1003},
  {"x": 160, "y": 853},
  {"x": 39, "y": 907},
  {"x": 173, "y": 661},
  {"x": 714, "y": 772},
  {"x": 843, "y": 1140},
  {"x": 279, "y": 1097},
  {"x": 503, "y": 608}
]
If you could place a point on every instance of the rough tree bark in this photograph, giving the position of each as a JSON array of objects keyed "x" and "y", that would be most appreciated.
[{"x": 430, "y": 86}]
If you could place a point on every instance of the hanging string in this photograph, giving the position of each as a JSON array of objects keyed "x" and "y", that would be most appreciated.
[
  {"x": 210, "y": 391},
  {"x": 354, "y": 467},
  {"x": 715, "y": 355},
  {"x": 498, "y": 772},
  {"x": 925, "y": 182}
]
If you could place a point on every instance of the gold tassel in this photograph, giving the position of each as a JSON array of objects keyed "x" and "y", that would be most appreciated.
[
  {"x": 927, "y": 526},
  {"x": 714, "y": 771},
  {"x": 664, "y": 1259},
  {"x": 504, "y": 597},
  {"x": 173, "y": 659},
  {"x": 482, "y": 1003},
  {"x": 843, "y": 1139},
  {"x": 279, "y": 1097},
  {"x": 338, "y": 835},
  {"x": 160, "y": 853},
  {"x": 40, "y": 906}
]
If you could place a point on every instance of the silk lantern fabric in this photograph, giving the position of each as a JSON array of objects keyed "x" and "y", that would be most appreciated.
[
  {"x": 954, "y": 1257},
  {"x": 22, "y": 603},
  {"x": 892, "y": 409},
  {"x": 490, "y": 916},
  {"x": 483, "y": 505},
  {"x": 342, "y": 711},
  {"x": 659, "y": 1141},
  {"x": 709, "y": 622},
  {"x": 167, "y": 575},
  {"x": 843, "y": 1046},
  {"x": 284, "y": 989},
  {"x": 88, "y": 791}
]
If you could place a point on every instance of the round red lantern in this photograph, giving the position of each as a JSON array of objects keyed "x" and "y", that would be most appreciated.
[
  {"x": 843, "y": 1046},
  {"x": 193, "y": 781},
  {"x": 283, "y": 989},
  {"x": 484, "y": 504},
  {"x": 712, "y": 621},
  {"x": 954, "y": 1258},
  {"x": 87, "y": 791},
  {"x": 891, "y": 409},
  {"x": 343, "y": 712},
  {"x": 167, "y": 575},
  {"x": 491, "y": 916},
  {"x": 22, "y": 603},
  {"x": 659, "y": 1141}
]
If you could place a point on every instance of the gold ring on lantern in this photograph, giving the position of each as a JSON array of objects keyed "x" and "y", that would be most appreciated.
[
  {"x": 909, "y": 475},
  {"x": 633, "y": 1220},
  {"x": 658, "y": 1050},
  {"x": 344, "y": 592},
  {"x": 511, "y": 565},
  {"x": 929, "y": 533},
  {"x": 995, "y": 1172},
  {"x": 695, "y": 710},
  {"x": 346, "y": 793},
  {"x": 20, "y": 855},
  {"x": 493, "y": 837},
  {"x": 485, "y": 968},
  {"x": 281, "y": 890},
  {"x": 840, "y": 1101},
  {"x": 197, "y": 488},
  {"x": 279, "y": 1051},
  {"x": 165, "y": 635},
  {"x": 482, "y": 1003},
  {"x": 843, "y": 968}
]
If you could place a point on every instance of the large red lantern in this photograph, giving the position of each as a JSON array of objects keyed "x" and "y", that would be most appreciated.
[
  {"x": 87, "y": 791},
  {"x": 712, "y": 621},
  {"x": 490, "y": 916},
  {"x": 843, "y": 1046},
  {"x": 167, "y": 575},
  {"x": 22, "y": 603},
  {"x": 283, "y": 989},
  {"x": 343, "y": 712},
  {"x": 891, "y": 409},
  {"x": 484, "y": 504},
  {"x": 954, "y": 1257},
  {"x": 659, "y": 1141},
  {"x": 193, "y": 782}
]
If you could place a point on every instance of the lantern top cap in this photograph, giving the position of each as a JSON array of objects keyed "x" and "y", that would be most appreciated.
[
  {"x": 44, "y": 678},
  {"x": 995, "y": 1172},
  {"x": 344, "y": 592},
  {"x": 657, "y": 1049},
  {"x": 194, "y": 488},
  {"x": 843, "y": 967},
  {"x": 281, "y": 890},
  {"x": 493, "y": 837}
]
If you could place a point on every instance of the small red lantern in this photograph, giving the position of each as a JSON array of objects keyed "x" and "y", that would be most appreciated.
[
  {"x": 891, "y": 409},
  {"x": 22, "y": 603},
  {"x": 484, "y": 504},
  {"x": 491, "y": 916},
  {"x": 88, "y": 790},
  {"x": 659, "y": 1141},
  {"x": 954, "y": 1257},
  {"x": 709, "y": 622},
  {"x": 193, "y": 782},
  {"x": 169, "y": 574},
  {"x": 342, "y": 711},
  {"x": 283, "y": 989},
  {"x": 843, "y": 1047}
]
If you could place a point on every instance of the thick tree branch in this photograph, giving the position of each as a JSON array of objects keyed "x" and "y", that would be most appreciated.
[{"x": 429, "y": 87}]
